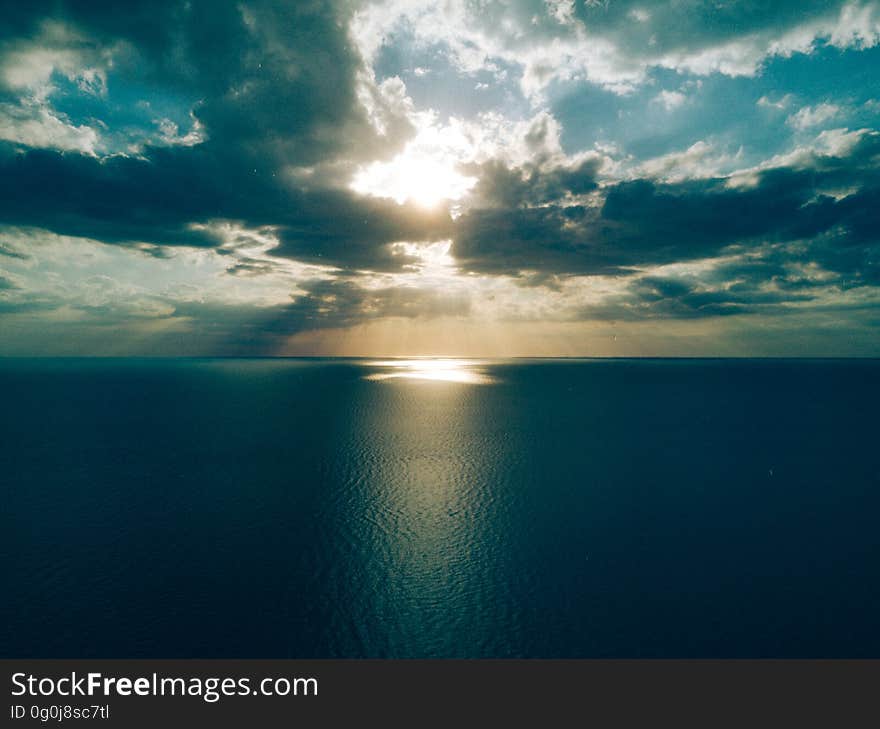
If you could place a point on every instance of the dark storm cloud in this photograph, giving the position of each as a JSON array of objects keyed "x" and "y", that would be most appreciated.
[
  {"x": 274, "y": 87},
  {"x": 644, "y": 222}
]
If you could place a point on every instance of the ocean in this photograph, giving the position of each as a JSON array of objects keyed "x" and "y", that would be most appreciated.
[{"x": 521, "y": 508}]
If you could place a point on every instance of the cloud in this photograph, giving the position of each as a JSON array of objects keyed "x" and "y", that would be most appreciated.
[
  {"x": 641, "y": 222},
  {"x": 812, "y": 116},
  {"x": 6, "y": 282},
  {"x": 503, "y": 187},
  {"x": 343, "y": 302},
  {"x": 699, "y": 161},
  {"x": 10, "y": 251},
  {"x": 50, "y": 46},
  {"x": 614, "y": 44},
  {"x": 779, "y": 104},
  {"x": 282, "y": 95},
  {"x": 246, "y": 195},
  {"x": 36, "y": 126},
  {"x": 666, "y": 297},
  {"x": 321, "y": 305},
  {"x": 670, "y": 100}
]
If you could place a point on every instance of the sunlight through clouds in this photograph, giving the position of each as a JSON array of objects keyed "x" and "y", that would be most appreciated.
[
  {"x": 425, "y": 172},
  {"x": 456, "y": 178}
]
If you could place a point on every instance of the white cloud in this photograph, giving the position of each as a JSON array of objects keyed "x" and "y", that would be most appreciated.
[
  {"x": 856, "y": 26},
  {"x": 781, "y": 103},
  {"x": 35, "y": 125},
  {"x": 828, "y": 143},
  {"x": 561, "y": 10},
  {"x": 559, "y": 50},
  {"x": 169, "y": 133},
  {"x": 28, "y": 65},
  {"x": 85, "y": 274},
  {"x": 559, "y": 47},
  {"x": 387, "y": 104},
  {"x": 811, "y": 116},
  {"x": 670, "y": 100},
  {"x": 700, "y": 160},
  {"x": 436, "y": 165}
]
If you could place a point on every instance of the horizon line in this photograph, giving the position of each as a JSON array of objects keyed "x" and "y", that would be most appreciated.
[{"x": 435, "y": 357}]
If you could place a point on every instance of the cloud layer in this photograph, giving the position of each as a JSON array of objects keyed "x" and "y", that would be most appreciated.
[{"x": 239, "y": 177}]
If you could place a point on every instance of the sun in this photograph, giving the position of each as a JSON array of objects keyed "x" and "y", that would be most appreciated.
[
  {"x": 414, "y": 176},
  {"x": 425, "y": 173}
]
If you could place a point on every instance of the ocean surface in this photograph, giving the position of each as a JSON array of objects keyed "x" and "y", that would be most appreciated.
[{"x": 352, "y": 508}]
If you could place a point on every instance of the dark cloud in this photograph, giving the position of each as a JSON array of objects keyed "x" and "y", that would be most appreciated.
[
  {"x": 120, "y": 199},
  {"x": 356, "y": 233},
  {"x": 500, "y": 186},
  {"x": 758, "y": 286},
  {"x": 343, "y": 302},
  {"x": 644, "y": 222},
  {"x": 274, "y": 86},
  {"x": 127, "y": 200},
  {"x": 657, "y": 297},
  {"x": 266, "y": 74}
]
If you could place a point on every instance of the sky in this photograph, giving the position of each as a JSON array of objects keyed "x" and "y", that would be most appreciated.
[{"x": 444, "y": 178}]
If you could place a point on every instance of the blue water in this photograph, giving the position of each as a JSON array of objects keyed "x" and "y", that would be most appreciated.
[{"x": 299, "y": 508}]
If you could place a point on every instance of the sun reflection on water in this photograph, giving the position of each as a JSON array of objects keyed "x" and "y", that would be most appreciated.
[{"x": 471, "y": 372}]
